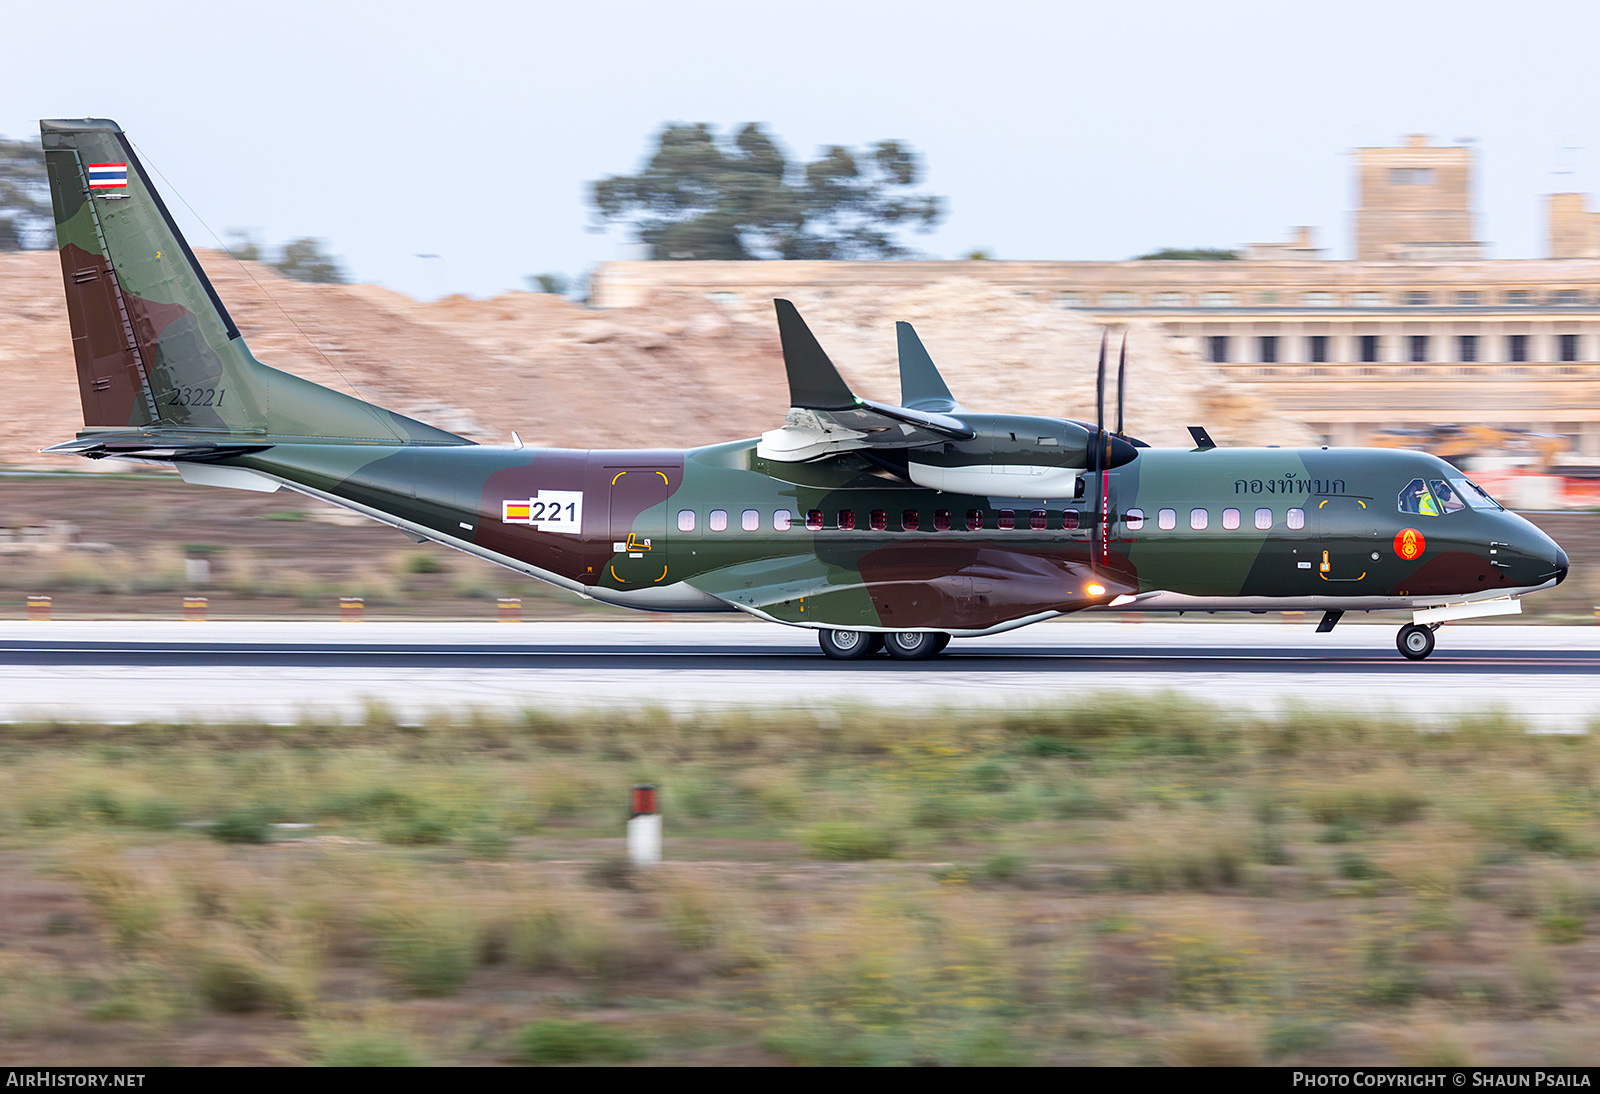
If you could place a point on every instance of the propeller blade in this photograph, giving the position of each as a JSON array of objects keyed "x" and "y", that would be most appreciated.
[
  {"x": 1122, "y": 379},
  {"x": 1100, "y": 388}
]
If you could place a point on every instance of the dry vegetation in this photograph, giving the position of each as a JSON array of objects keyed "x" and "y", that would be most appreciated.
[{"x": 1112, "y": 883}]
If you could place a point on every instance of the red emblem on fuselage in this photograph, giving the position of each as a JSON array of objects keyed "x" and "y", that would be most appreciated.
[{"x": 1409, "y": 544}]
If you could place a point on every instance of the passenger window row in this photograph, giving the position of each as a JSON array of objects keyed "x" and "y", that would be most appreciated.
[
  {"x": 1200, "y": 519},
  {"x": 976, "y": 520}
]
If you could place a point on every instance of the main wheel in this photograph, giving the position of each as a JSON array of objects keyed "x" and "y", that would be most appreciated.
[
  {"x": 1415, "y": 642},
  {"x": 915, "y": 645},
  {"x": 849, "y": 645}
]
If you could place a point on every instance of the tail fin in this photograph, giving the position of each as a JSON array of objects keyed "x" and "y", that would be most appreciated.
[
  {"x": 155, "y": 348},
  {"x": 921, "y": 386}
]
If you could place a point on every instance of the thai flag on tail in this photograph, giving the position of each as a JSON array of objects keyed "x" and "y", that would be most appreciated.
[{"x": 106, "y": 176}]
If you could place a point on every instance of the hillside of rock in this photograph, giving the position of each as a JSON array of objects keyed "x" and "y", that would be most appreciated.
[{"x": 671, "y": 373}]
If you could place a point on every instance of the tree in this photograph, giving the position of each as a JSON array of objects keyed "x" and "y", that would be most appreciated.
[
  {"x": 699, "y": 198},
  {"x": 1194, "y": 254},
  {"x": 546, "y": 282},
  {"x": 306, "y": 260},
  {"x": 243, "y": 244},
  {"x": 25, "y": 215}
]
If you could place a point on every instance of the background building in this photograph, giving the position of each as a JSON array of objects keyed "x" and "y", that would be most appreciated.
[{"x": 1419, "y": 331}]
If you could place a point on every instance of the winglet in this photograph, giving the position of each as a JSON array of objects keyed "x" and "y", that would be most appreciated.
[
  {"x": 921, "y": 386},
  {"x": 813, "y": 381}
]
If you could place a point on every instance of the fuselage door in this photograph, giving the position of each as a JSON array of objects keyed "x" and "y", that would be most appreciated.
[
  {"x": 639, "y": 498},
  {"x": 1345, "y": 536}
]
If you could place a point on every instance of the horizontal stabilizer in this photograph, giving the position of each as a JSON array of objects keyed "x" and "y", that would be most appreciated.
[
  {"x": 921, "y": 386},
  {"x": 155, "y": 446}
]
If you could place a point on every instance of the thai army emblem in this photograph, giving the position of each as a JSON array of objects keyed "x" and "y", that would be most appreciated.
[{"x": 1409, "y": 544}]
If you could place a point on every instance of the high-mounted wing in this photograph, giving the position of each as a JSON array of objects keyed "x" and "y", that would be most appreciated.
[{"x": 826, "y": 417}]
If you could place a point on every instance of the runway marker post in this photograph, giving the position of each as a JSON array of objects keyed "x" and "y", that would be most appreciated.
[
  {"x": 38, "y": 609},
  {"x": 194, "y": 609},
  {"x": 510, "y": 609},
  {"x": 644, "y": 827},
  {"x": 352, "y": 609}
]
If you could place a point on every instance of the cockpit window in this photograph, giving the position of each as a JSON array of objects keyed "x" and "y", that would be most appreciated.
[
  {"x": 1474, "y": 495},
  {"x": 1416, "y": 499},
  {"x": 1449, "y": 500}
]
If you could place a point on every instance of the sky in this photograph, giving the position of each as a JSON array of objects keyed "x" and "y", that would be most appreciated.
[{"x": 1061, "y": 130}]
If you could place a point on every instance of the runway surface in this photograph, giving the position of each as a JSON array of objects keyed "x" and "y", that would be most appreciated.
[{"x": 280, "y": 672}]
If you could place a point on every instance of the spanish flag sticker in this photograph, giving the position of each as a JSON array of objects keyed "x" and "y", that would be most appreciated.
[
  {"x": 1409, "y": 544},
  {"x": 515, "y": 511}
]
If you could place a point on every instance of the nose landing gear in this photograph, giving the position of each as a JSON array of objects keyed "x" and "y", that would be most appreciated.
[{"x": 1415, "y": 641}]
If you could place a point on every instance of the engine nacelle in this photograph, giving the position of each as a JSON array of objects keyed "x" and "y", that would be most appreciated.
[{"x": 1004, "y": 480}]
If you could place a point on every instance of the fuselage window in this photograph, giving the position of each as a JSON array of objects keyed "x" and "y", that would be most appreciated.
[
  {"x": 910, "y": 520},
  {"x": 1449, "y": 500},
  {"x": 750, "y": 520},
  {"x": 847, "y": 519},
  {"x": 1230, "y": 519},
  {"x": 718, "y": 520},
  {"x": 974, "y": 520},
  {"x": 1416, "y": 499},
  {"x": 1198, "y": 519},
  {"x": 1297, "y": 518},
  {"x": 781, "y": 520},
  {"x": 813, "y": 518},
  {"x": 1263, "y": 519},
  {"x": 1038, "y": 520},
  {"x": 1167, "y": 519},
  {"x": 1008, "y": 520},
  {"x": 941, "y": 520},
  {"x": 1069, "y": 519},
  {"x": 1135, "y": 519},
  {"x": 879, "y": 520},
  {"x": 685, "y": 520}
]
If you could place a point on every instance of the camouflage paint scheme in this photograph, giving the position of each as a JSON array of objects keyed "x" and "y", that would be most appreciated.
[{"x": 165, "y": 377}]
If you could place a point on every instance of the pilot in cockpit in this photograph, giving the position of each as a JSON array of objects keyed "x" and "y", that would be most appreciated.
[{"x": 1422, "y": 501}]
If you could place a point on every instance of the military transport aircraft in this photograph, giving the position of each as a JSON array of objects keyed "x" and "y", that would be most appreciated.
[{"x": 882, "y": 527}]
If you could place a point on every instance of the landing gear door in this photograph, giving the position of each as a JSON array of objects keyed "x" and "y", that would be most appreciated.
[
  {"x": 1345, "y": 537},
  {"x": 638, "y": 504}
]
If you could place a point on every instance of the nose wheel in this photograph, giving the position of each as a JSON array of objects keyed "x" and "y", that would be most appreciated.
[{"x": 1415, "y": 641}]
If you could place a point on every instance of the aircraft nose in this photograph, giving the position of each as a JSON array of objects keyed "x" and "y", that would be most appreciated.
[{"x": 1561, "y": 565}]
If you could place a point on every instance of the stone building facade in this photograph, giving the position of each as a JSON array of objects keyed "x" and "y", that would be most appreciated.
[{"x": 1418, "y": 332}]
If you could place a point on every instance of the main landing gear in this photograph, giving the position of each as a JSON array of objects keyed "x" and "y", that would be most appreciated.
[
  {"x": 1415, "y": 641},
  {"x": 902, "y": 645},
  {"x": 850, "y": 645}
]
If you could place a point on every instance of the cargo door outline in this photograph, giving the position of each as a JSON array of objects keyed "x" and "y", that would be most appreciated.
[
  {"x": 638, "y": 522},
  {"x": 1346, "y": 535}
]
